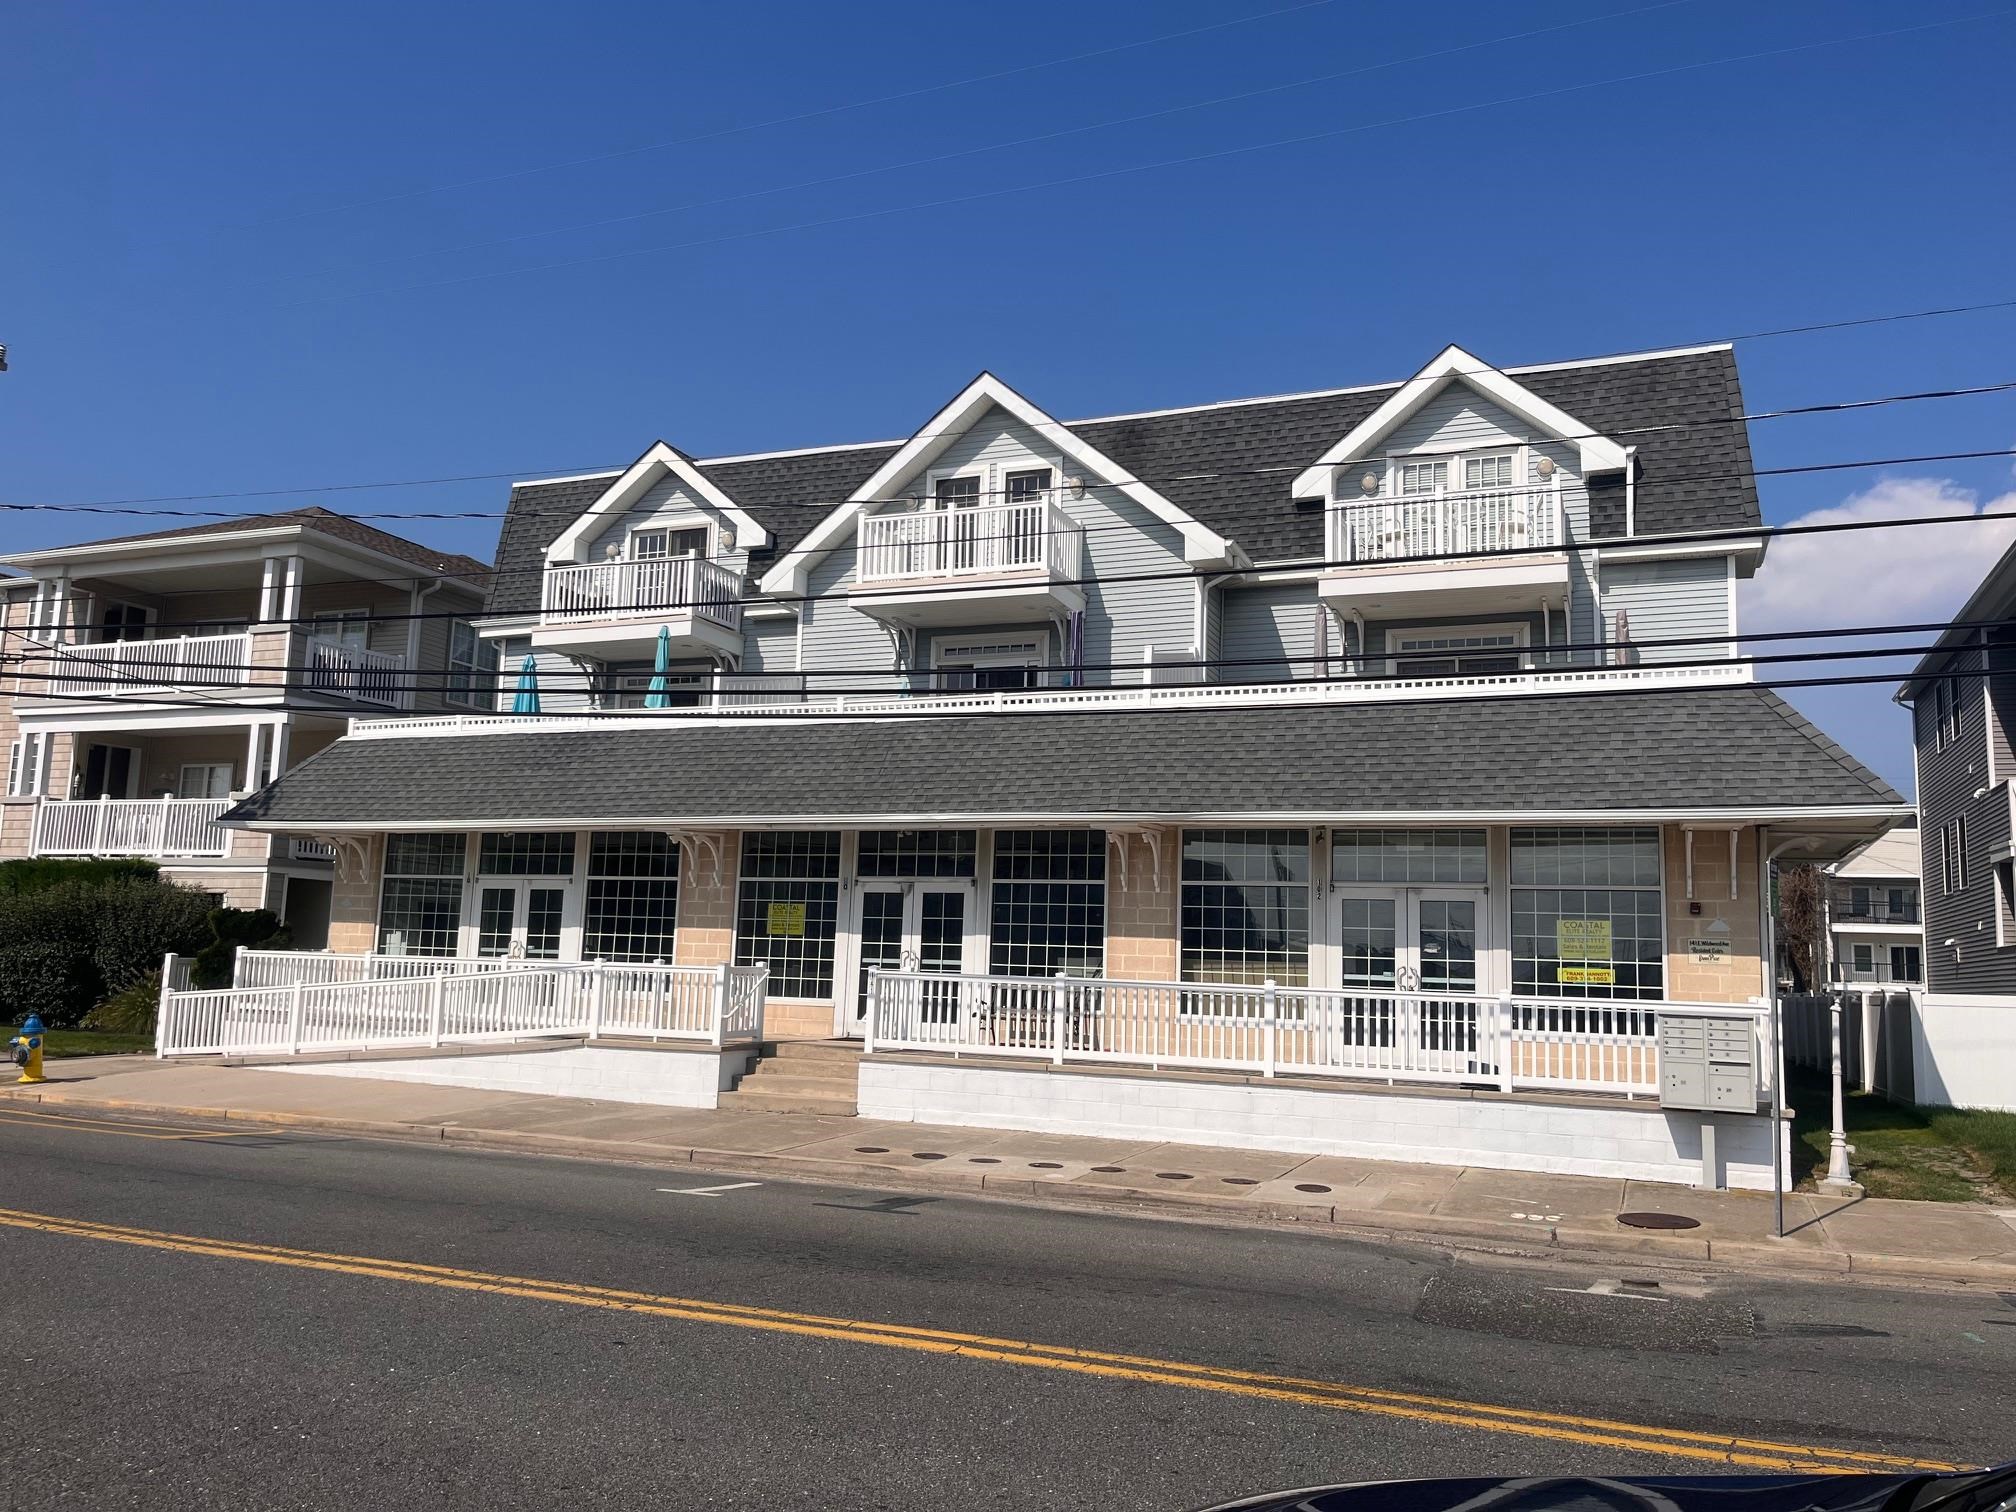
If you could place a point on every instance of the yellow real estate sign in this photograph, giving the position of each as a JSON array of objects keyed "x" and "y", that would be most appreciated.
[
  {"x": 786, "y": 919},
  {"x": 1582, "y": 940},
  {"x": 1586, "y": 976}
]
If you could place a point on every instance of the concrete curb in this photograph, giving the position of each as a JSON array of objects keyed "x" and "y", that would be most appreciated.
[{"x": 1749, "y": 1254}]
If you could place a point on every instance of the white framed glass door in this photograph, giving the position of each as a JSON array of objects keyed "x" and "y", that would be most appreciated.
[
  {"x": 909, "y": 926},
  {"x": 519, "y": 920},
  {"x": 1416, "y": 953}
]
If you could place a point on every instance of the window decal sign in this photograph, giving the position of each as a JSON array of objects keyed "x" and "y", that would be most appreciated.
[
  {"x": 1586, "y": 976},
  {"x": 786, "y": 919},
  {"x": 1582, "y": 940}
]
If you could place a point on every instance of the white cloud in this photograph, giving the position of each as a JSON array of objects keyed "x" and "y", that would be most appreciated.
[
  {"x": 1876, "y": 577},
  {"x": 1914, "y": 575}
]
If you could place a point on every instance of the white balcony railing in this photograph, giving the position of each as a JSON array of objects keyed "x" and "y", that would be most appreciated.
[
  {"x": 307, "y": 1002},
  {"x": 1448, "y": 524},
  {"x": 1512, "y": 1042},
  {"x": 793, "y": 696},
  {"x": 640, "y": 590},
  {"x": 352, "y": 672},
  {"x": 299, "y": 849},
  {"x": 186, "y": 661},
  {"x": 991, "y": 539},
  {"x": 130, "y": 827}
]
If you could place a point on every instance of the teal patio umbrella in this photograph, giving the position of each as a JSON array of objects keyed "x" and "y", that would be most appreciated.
[
  {"x": 659, "y": 695},
  {"x": 527, "y": 699}
]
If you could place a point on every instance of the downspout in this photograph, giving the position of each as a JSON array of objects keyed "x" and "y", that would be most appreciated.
[
  {"x": 1631, "y": 490},
  {"x": 416, "y": 596}
]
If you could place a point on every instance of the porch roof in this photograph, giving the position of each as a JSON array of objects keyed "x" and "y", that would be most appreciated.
[{"x": 1740, "y": 753}]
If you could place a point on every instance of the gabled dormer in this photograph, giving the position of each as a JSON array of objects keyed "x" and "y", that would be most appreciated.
[
  {"x": 662, "y": 547},
  {"x": 1456, "y": 496},
  {"x": 982, "y": 518}
]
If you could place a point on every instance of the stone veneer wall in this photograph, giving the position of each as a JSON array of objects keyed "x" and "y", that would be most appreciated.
[
  {"x": 353, "y": 899},
  {"x": 1141, "y": 903},
  {"x": 1738, "y": 976}
]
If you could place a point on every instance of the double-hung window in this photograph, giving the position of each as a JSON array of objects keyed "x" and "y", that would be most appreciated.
[
  {"x": 344, "y": 627},
  {"x": 958, "y": 493},
  {"x": 1028, "y": 486},
  {"x": 1417, "y": 478},
  {"x": 1489, "y": 470},
  {"x": 28, "y": 765},
  {"x": 472, "y": 667}
]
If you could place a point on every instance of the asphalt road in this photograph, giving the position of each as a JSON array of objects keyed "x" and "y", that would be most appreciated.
[{"x": 441, "y": 1333}]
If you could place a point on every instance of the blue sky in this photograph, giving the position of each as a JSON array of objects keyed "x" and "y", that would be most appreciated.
[{"x": 232, "y": 263}]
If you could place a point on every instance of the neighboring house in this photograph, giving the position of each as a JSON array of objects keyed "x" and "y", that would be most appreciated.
[
  {"x": 148, "y": 681},
  {"x": 1875, "y": 934},
  {"x": 1962, "y": 697},
  {"x": 1418, "y": 701}
]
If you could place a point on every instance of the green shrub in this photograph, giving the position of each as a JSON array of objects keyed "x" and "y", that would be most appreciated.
[
  {"x": 29, "y": 874},
  {"x": 131, "y": 1011},
  {"x": 231, "y": 928},
  {"x": 65, "y": 947}
]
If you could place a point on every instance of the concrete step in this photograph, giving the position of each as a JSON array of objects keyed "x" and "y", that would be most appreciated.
[
  {"x": 836, "y": 1052},
  {"x": 756, "y": 1101},
  {"x": 834, "y": 1073},
  {"x": 779, "y": 1084}
]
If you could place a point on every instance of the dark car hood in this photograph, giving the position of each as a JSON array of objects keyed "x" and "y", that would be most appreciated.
[{"x": 1679, "y": 1493}]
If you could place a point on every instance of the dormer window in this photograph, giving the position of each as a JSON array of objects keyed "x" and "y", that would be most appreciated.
[
  {"x": 1492, "y": 470},
  {"x": 655, "y": 545},
  {"x": 1028, "y": 487},
  {"x": 1424, "y": 477},
  {"x": 958, "y": 493}
]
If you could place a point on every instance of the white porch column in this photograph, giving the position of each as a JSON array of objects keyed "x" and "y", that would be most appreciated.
[
  {"x": 278, "y": 760},
  {"x": 290, "y": 590},
  {"x": 269, "y": 588},
  {"x": 254, "y": 733}
]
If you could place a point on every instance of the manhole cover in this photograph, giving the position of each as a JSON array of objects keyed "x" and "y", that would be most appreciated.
[
  {"x": 1046, "y": 1165},
  {"x": 982, "y": 1160},
  {"x": 1172, "y": 1175},
  {"x": 1111, "y": 1170},
  {"x": 871, "y": 1149},
  {"x": 1239, "y": 1180},
  {"x": 925, "y": 1155},
  {"x": 1310, "y": 1186},
  {"x": 1657, "y": 1221}
]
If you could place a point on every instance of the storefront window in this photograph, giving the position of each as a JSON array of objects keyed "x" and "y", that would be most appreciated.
[
  {"x": 548, "y": 854},
  {"x": 632, "y": 903},
  {"x": 916, "y": 853},
  {"x": 788, "y": 908},
  {"x": 1586, "y": 918},
  {"x": 1049, "y": 903},
  {"x": 1246, "y": 906},
  {"x": 1361, "y": 855},
  {"x": 420, "y": 901}
]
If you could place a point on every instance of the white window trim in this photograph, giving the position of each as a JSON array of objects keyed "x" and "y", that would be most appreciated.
[
  {"x": 973, "y": 653},
  {"x": 684, "y": 519},
  {"x": 1522, "y": 471},
  {"x": 935, "y": 476},
  {"x": 229, "y": 769},
  {"x": 1521, "y": 632},
  {"x": 473, "y": 696},
  {"x": 28, "y": 765},
  {"x": 340, "y": 618}
]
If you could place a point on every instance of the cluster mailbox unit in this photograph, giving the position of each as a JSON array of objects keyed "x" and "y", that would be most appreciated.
[{"x": 1707, "y": 1064}]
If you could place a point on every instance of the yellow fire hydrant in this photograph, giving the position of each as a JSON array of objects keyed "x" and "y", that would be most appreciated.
[{"x": 27, "y": 1048}]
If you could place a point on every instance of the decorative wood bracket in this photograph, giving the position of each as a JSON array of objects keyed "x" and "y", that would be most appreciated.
[
  {"x": 703, "y": 854},
  {"x": 349, "y": 850},
  {"x": 1119, "y": 842}
]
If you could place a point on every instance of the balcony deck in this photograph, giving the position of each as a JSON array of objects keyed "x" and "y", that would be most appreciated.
[
  {"x": 969, "y": 566},
  {"x": 255, "y": 663},
  {"x": 614, "y": 610},
  {"x": 1485, "y": 551}
]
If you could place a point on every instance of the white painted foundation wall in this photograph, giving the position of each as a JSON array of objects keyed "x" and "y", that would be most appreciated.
[
  {"x": 1636, "y": 1142},
  {"x": 660, "y": 1078}
]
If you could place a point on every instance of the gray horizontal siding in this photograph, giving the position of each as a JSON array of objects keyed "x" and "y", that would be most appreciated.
[
  {"x": 1669, "y": 599},
  {"x": 769, "y": 645},
  {"x": 1948, "y": 780},
  {"x": 1273, "y": 620}
]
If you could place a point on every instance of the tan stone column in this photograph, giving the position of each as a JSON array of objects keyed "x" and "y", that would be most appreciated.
[
  {"x": 1714, "y": 955},
  {"x": 1142, "y": 931},
  {"x": 353, "y": 897}
]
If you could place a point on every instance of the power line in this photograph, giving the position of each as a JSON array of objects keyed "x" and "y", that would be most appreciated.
[
  {"x": 1728, "y": 537},
  {"x": 1216, "y": 155},
  {"x": 965, "y": 152},
  {"x": 804, "y": 115},
  {"x": 118, "y": 506},
  {"x": 83, "y": 653}
]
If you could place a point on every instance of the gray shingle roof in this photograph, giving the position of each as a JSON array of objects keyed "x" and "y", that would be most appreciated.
[
  {"x": 1690, "y": 479},
  {"x": 1711, "y": 748}
]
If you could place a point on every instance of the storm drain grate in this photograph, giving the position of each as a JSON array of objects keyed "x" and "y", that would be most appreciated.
[{"x": 1658, "y": 1221}]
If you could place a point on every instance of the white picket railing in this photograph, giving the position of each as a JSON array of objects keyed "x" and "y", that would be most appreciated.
[
  {"x": 973, "y": 542},
  {"x": 1388, "y": 528},
  {"x": 1562, "y": 1044},
  {"x": 297, "y": 1002},
  {"x": 640, "y": 589},
  {"x": 185, "y": 661},
  {"x": 329, "y": 666},
  {"x": 129, "y": 827}
]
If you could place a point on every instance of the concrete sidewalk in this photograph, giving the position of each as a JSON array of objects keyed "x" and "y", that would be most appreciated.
[{"x": 1907, "y": 1240}]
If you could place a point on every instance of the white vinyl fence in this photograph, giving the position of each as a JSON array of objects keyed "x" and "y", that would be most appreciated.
[
  {"x": 1589, "y": 1045},
  {"x": 1876, "y": 1035},
  {"x": 294, "y": 1002}
]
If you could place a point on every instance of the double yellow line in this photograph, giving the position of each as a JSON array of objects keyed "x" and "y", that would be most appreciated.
[{"x": 1750, "y": 1454}]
